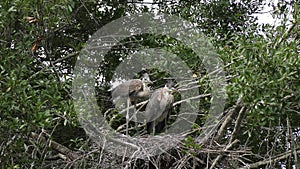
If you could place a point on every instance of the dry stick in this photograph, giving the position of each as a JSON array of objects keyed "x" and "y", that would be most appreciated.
[
  {"x": 127, "y": 116},
  {"x": 191, "y": 98},
  {"x": 290, "y": 136},
  {"x": 102, "y": 152},
  {"x": 131, "y": 107},
  {"x": 55, "y": 71},
  {"x": 90, "y": 14},
  {"x": 235, "y": 130},
  {"x": 228, "y": 118},
  {"x": 220, "y": 156},
  {"x": 234, "y": 134},
  {"x": 182, "y": 162},
  {"x": 56, "y": 146},
  {"x": 174, "y": 104},
  {"x": 272, "y": 159},
  {"x": 213, "y": 151},
  {"x": 237, "y": 125},
  {"x": 195, "y": 80},
  {"x": 45, "y": 148},
  {"x": 185, "y": 89},
  {"x": 181, "y": 88}
]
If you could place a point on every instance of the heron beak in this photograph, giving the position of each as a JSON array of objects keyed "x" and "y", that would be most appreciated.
[
  {"x": 149, "y": 82},
  {"x": 173, "y": 90}
]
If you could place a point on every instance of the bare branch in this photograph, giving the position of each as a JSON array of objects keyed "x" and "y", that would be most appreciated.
[
  {"x": 220, "y": 156},
  {"x": 229, "y": 118},
  {"x": 237, "y": 125},
  {"x": 191, "y": 98},
  {"x": 272, "y": 159},
  {"x": 56, "y": 146}
]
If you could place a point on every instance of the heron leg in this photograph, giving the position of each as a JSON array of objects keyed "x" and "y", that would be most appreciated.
[
  {"x": 135, "y": 117},
  {"x": 127, "y": 116},
  {"x": 154, "y": 127},
  {"x": 151, "y": 127}
]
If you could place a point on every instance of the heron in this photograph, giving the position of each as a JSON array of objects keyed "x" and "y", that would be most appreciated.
[
  {"x": 133, "y": 90},
  {"x": 158, "y": 109}
]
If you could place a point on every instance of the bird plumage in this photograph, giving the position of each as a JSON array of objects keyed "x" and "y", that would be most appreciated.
[
  {"x": 133, "y": 90},
  {"x": 158, "y": 109}
]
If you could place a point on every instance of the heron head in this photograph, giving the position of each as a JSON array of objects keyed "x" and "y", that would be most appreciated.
[
  {"x": 169, "y": 86},
  {"x": 174, "y": 90},
  {"x": 146, "y": 79},
  {"x": 170, "y": 90}
]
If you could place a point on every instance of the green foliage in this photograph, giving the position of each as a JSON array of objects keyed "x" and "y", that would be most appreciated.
[
  {"x": 40, "y": 41},
  {"x": 31, "y": 99},
  {"x": 266, "y": 74}
]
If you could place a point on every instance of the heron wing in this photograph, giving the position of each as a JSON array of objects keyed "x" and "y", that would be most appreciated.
[
  {"x": 153, "y": 109},
  {"x": 165, "y": 106},
  {"x": 127, "y": 88},
  {"x": 158, "y": 108},
  {"x": 135, "y": 85}
]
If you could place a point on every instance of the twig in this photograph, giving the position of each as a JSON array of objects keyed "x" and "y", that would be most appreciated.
[
  {"x": 191, "y": 98},
  {"x": 271, "y": 160},
  {"x": 228, "y": 118},
  {"x": 285, "y": 35},
  {"x": 220, "y": 156},
  {"x": 131, "y": 107},
  {"x": 56, "y": 61},
  {"x": 237, "y": 125},
  {"x": 195, "y": 80},
  {"x": 293, "y": 142},
  {"x": 174, "y": 104},
  {"x": 56, "y": 146},
  {"x": 90, "y": 14}
]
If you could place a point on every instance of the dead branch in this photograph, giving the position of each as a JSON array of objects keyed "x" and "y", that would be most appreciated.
[
  {"x": 220, "y": 156},
  {"x": 237, "y": 125},
  {"x": 228, "y": 119},
  {"x": 272, "y": 159},
  {"x": 56, "y": 146},
  {"x": 191, "y": 98}
]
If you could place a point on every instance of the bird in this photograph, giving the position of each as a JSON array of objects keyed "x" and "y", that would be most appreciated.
[
  {"x": 133, "y": 90},
  {"x": 158, "y": 109}
]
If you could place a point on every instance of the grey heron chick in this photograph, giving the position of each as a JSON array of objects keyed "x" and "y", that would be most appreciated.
[
  {"x": 158, "y": 109},
  {"x": 133, "y": 90}
]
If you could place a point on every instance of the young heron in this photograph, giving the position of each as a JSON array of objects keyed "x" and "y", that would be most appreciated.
[
  {"x": 133, "y": 90},
  {"x": 158, "y": 109}
]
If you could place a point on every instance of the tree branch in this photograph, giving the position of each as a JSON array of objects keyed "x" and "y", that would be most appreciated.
[
  {"x": 56, "y": 146},
  {"x": 220, "y": 156},
  {"x": 237, "y": 125},
  {"x": 228, "y": 119},
  {"x": 285, "y": 35},
  {"x": 56, "y": 61},
  {"x": 272, "y": 159}
]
